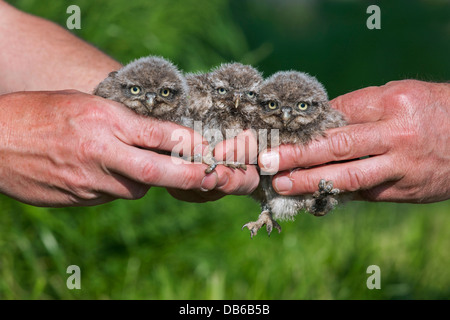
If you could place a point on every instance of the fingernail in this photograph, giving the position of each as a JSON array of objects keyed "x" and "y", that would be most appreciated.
[
  {"x": 270, "y": 161},
  {"x": 283, "y": 184},
  {"x": 209, "y": 182}
]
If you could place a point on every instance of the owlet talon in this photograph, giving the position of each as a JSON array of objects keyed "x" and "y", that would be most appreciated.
[
  {"x": 265, "y": 218},
  {"x": 211, "y": 168}
]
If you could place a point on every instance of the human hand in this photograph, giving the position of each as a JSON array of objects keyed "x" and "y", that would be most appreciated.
[
  {"x": 67, "y": 148},
  {"x": 242, "y": 149},
  {"x": 403, "y": 126}
]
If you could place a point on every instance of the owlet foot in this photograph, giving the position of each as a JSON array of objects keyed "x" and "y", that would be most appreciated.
[
  {"x": 210, "y": 168},
  {"x": 236, "y": 165},
  {"x": 209, "y": 161},
  {"x": 265, "y": 218},
  {"x": 324, "y": 199}
]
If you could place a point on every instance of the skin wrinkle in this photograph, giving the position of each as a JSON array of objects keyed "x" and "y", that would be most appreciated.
[
  {"x": 409, "y": 163},
  {"x": 39, "y": 148},
  {"x": 413, "y": 164}
]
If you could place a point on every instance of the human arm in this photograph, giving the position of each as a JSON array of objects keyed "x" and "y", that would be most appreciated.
[
  {"x": 403, "y": 126},
  {"x": 39, "y": 55}
]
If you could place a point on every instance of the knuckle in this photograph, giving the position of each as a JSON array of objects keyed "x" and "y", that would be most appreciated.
[
  {"x": 232, "y": 187},
  {"x": 151, "y": 173},
  {"x": 94, "y": 112},
  {"x": 151, "y": 136},
  {"x": 405, "y": 93},
  {"x": 189, "y": 179},
  {"x": 404, "y": 134},
  {"x": 241, "y": 184},
  {"x": 309, "y": 183},
  {"x": 401, "y": 98},
  {"x": 232, "y": 184},
  {"x": 353, "y": 178},
  {"x": 91, "y": 149},
  {"x": 82, "y": 189},
  {"x": 290, "y": 156},
  {"x": 297, "y": 154},
  {"x": 341, "y": 144}
]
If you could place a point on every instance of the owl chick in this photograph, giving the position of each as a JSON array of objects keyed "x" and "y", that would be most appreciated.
[
  {"x": 225, "y": 101},
  {"x": 295, "y": 104},
  {"x": 151, "y": 86}
]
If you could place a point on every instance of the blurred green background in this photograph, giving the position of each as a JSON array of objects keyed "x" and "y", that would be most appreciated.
[{"x": 161, "y": 248}]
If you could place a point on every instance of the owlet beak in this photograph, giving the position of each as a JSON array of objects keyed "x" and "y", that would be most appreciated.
[
  {"x": 286, "y": 115},
  {"x": 237, "y": 100},
  {"x": 150, "y": 98}
]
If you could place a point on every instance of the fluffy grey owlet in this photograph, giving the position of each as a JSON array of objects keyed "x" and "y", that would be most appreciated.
[
  {"x": 151, "y": 86},
  {"x": 225, "y": 101},
  {"x": 297, "y": 105}
]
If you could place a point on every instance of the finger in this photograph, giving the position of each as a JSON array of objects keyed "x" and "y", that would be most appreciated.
[
  {"x": 243, "y": 148},
  {"x": 154, "y": 134},
  {"x": 97, "y": 190},
  {"x": 236, "y": 181},
  {"x": 150, "y": 168},
  {"x": 117, "y": 186},
  {"x": 360, "y": 106},
  {"x": 350, "y": 176},
  {"x": 230, "y": 181},
  {"x": 345, "y": 143}
]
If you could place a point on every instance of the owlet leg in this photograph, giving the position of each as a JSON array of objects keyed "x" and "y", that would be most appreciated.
[
  {"x": 265, "y": 218},
  {"x": 324, "y": 200}
]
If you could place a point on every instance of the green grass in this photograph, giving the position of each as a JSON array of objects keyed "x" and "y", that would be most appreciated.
[{"x": 161, "y": 248}]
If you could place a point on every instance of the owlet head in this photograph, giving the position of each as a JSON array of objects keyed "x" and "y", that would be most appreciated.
[
  {"x": 150, "y": 86},
  {"x": 290, "y": 100},
  {"x": 234, "y": 88}
]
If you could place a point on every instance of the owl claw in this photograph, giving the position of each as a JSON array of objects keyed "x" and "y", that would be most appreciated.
[
  {"x": 265, "y": 218},
  {"x": 236, "y": 165},
  {"x": 324, "y": 201},
  {"x": 211, "y": 168}
]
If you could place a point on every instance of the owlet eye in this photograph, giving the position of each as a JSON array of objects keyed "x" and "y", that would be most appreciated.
[
  {"x": 222, "y": 90},
  {"x": 135, "y": 90},
  {"x": 165, "y": 92},
  {"x": 272, "y": 105},
  {"x": 251, "y": 94},
  {"x": 302, "y": 106}
]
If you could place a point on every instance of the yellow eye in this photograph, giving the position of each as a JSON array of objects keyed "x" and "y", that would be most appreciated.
[
  {"x": 272, "y": 105},
  {"x": 165, "y": 92},
  {"x": 251, "y": 94},
  {"x": 135, "y": 90},
  {"x": 303, "y": 106},
  {"x": 222, "y": 90}
]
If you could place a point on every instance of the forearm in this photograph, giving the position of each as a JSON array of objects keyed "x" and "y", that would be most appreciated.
[{"x": 40, "y": 55}]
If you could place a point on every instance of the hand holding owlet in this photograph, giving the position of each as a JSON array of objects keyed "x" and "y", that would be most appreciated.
[
  {"x": 225, "y": 101},
  {"x": 297, "y": 105}
]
